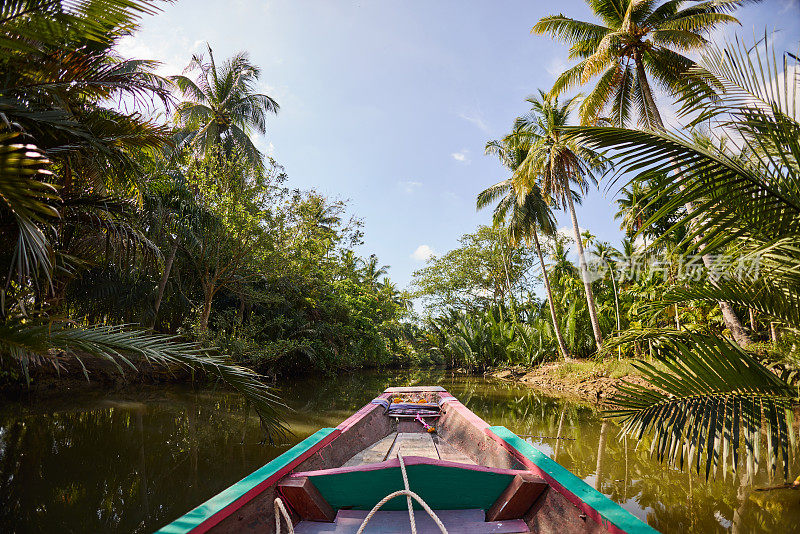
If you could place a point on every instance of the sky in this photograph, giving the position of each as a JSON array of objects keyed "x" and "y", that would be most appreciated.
[{"x": 389, "y": 104}]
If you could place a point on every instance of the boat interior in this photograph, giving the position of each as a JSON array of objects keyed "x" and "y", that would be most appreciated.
[{"x": 425, "y": 441}]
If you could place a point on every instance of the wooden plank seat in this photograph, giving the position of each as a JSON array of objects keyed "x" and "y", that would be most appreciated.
[
  {"x": 443, "y": 484},
  {"x": 396, "y": 522},
  {"x": 517, "y": 498},
  {"x": 408, "y": 444},
  {"x": 305, "y": 499}
]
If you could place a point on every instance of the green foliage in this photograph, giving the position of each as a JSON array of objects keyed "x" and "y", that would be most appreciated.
[
  {"x": 742, "y": 207},
  {"x": 485, "y": 269},
  {"x": 486, "y": 339},
  {"x": 631, "y": 42},
  {"x": 110, "y": 218}
]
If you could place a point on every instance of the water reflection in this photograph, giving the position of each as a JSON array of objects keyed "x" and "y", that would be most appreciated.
[{"x": 137, "y": 460}]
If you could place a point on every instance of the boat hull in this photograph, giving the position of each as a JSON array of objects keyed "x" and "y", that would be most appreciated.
[{"x": 567, "y": 504}]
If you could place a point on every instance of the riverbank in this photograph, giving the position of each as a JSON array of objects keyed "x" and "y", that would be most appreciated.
[{"x": 590, "y": 380}]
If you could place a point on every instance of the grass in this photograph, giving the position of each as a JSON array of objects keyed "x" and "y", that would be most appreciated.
[{"x": 587, "y": 369}]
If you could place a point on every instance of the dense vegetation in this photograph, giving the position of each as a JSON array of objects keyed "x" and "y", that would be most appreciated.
[
  {"x": 702, "y": 289},
  {"x": 140, "y": 222}
]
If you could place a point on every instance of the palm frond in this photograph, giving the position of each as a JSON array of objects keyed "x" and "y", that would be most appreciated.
[
  {"x": 709, "y": 393},
  {"x": 27, "y": 342}
]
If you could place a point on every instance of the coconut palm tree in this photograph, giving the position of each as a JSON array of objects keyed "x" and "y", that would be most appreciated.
[
  {"x": 372, "y": 271},
  {"x": 527, "y": 218},
  {"x": 633, "y": 42},
  {"x": 557, "y": 164},
  {"x": 222, "y": 107},
  {"x": 605, "y": 253},
  {"x": 712, "y": 391}
]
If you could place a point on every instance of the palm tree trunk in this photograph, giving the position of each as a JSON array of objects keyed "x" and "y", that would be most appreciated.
[
  {"x": 587, "y": 285},
  {"x": 208, "y": 293},
  {"x": 616, "y": 305},
  {"x": 163, "y": 283},
  {"x": 732, "y": 320},
  {"x": 556, "y": 327}
]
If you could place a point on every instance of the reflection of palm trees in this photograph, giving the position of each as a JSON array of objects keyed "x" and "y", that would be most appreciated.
[
  {"x": 558, "y": 435},
  {"x": 601, "y": 447},
  {"x": 142, "y": 466}
]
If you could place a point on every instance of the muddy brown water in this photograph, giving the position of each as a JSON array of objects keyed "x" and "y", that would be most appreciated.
[{"x": 134, "y": 460}]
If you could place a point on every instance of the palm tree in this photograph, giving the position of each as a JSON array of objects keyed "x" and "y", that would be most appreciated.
[
  {"x": 634, "y": 40},
  {"x": 527, "y": 218},
  {"x": 372, "y": 270},
  {"x": 558, "y": 163},
  {"x": 58, "y": 69},
  {"x": 711, "y": 390},
  {"x": 222, "y": 107},
  {"x": 605, "y": 253}
]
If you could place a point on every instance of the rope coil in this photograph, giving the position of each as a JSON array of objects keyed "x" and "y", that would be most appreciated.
[{"x": 280, "y": 509}]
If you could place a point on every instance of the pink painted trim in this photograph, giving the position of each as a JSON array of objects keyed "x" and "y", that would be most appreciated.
[
  {"x": 247, "y": 497},
  {"x": 214, "y": 520},
  {"x": 409, "y": 460},
  {"x": 571, "y": 497}
]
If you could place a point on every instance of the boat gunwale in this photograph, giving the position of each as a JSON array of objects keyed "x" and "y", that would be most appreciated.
[
  {"x": 210, "y": 513},
  {"x": 606, "y": 512},
  {"x": 601, "y": 509}
]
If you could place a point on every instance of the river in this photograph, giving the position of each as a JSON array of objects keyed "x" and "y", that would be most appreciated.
[{"x": 134, "y": 460}]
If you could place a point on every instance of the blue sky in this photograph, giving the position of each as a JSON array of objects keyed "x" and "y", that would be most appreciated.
[{"x": 390, "y": 103}]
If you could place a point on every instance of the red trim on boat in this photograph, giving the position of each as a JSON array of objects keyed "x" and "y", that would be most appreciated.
[
  {"x": 247, "y": 497},
  {"x": 353, "y": 419},
  {"x": 571, "y": 497},
  {"x": 409, "y": 460}
]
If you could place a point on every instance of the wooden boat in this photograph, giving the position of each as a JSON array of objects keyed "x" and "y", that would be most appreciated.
[{"x": 473, "y": 477}]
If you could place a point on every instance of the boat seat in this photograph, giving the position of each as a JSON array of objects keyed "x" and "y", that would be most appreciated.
[
  {"x": 397, "y": 522},
  {"x": 305, "y": 499},
  {"x": 444, "y": 485}
]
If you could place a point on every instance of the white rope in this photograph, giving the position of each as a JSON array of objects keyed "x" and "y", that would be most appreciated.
[
  {"x": 410, "y": 494},
  {"x": 280, "y": 510},
  {"x": 408, "y": 498}
]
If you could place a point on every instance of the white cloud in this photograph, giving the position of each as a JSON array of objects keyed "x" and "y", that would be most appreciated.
[
  {"x": 409, "y": 187},
  {"x": 569, "y": 233},
  {"x": 423, "y": 253},
  {"x": 461, "y": 156},
  {"x": 131, "y": 46},
  {"x": 475, "y": 119}
]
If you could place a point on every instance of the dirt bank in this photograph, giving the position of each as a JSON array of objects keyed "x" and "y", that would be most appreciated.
[
  {"x": 590, "y": 380},
  {"x": 103, "y": 375}
]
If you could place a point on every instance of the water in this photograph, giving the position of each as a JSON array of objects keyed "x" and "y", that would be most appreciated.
[{"x": 133, "y": 461}]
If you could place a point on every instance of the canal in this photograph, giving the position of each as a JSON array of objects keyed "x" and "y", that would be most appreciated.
[{"x": 134, "y": 460}]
